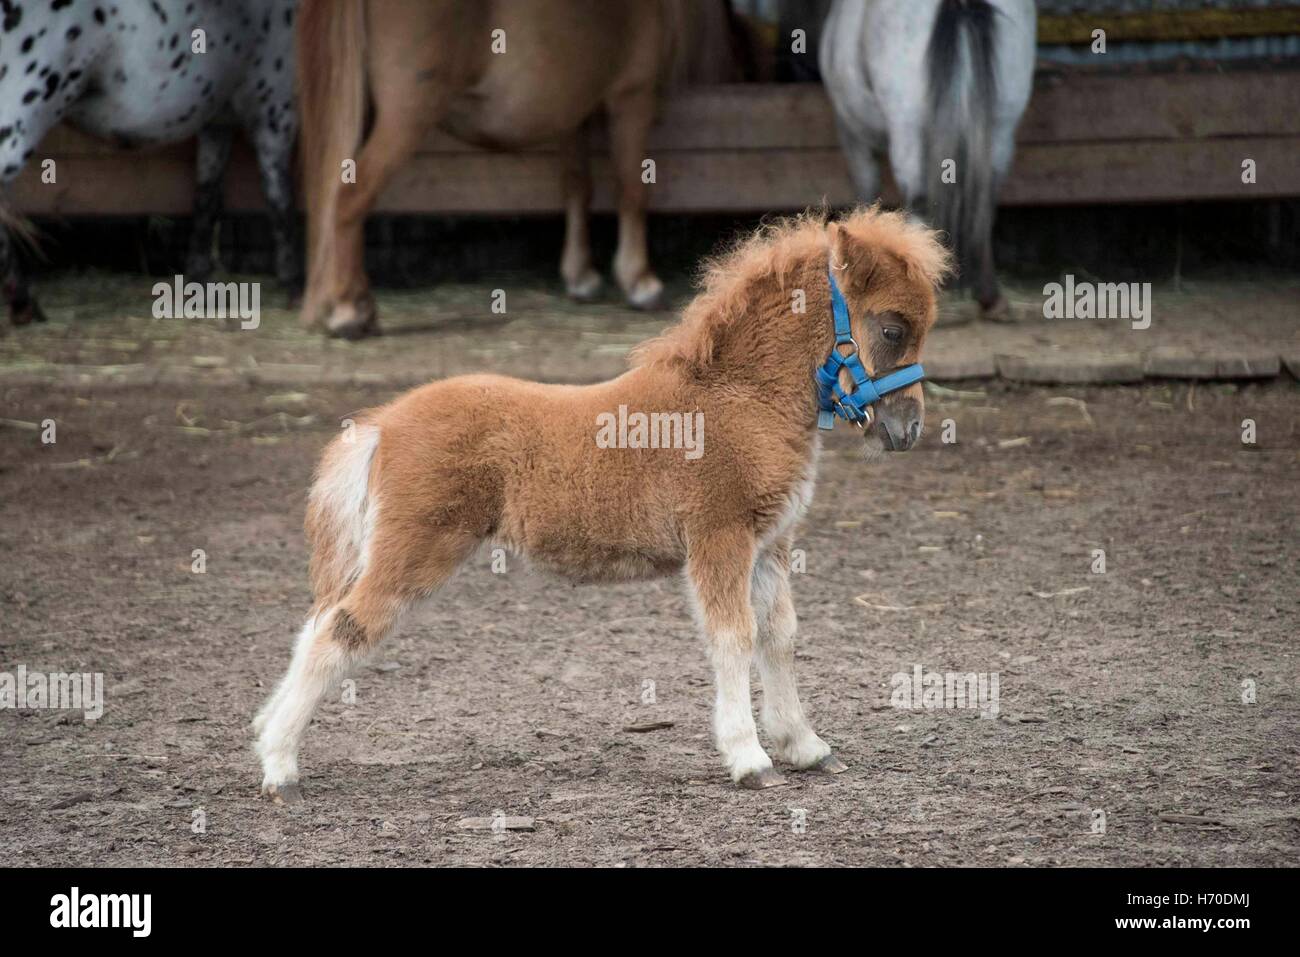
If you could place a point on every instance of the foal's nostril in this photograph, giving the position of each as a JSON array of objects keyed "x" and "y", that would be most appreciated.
[
  {"x": 914, "y": 433},
  {"x": 892, "y": 439}
]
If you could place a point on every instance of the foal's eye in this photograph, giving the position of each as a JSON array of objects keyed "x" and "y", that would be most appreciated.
[{"x": 892, "y": 334}]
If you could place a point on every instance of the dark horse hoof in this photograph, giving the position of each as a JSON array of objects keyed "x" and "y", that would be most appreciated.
[
  {"x": 999, "y": 310},
  {"x": 762, "y": 780},
  {"x": 353, "y": 321},
  {"x": 26, "y": 313},
  {"x": 288, "y": 793},
  {"x": 830, "y": 765}
]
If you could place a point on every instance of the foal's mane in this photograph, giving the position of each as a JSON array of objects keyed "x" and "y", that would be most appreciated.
[{"x": 732, "y": 281}]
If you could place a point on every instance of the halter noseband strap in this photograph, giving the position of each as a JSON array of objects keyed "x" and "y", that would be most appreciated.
[{"x": 853, "y": 406}]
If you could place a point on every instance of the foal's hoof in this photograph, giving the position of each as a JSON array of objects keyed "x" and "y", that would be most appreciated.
[
  {"x": 289, "y": 793},
  {"x": 646, "y": 293},
  {"x": 830, "y": 765},
  {"x": 758, "y": 780}
]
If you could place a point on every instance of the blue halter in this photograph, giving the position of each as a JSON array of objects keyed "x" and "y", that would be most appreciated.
[{"x": 853, "y": 406}]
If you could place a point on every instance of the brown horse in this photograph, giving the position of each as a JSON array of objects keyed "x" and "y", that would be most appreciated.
[
  {"x": 700, "y": 460},
  {"x": 499, "y": 73}
]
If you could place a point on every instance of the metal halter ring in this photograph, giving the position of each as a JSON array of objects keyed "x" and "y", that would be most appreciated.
[
  {"x": 852, "y": 342},
  {"x": 861, "y": 423}
]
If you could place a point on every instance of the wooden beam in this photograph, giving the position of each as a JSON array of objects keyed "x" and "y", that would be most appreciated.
[
  {"x": 1086, "y": 138},
  {"x": 1066, "y": 106},
  {"x": 1205, "y": 24},
  {"x": 1152, "y": 171},
  {"x": 1100, "y": 106},
  {"x": 701, "y": 180}
]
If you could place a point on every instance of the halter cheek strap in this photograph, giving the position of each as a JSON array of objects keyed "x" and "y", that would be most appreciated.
[{"x": 853, "y": 406}]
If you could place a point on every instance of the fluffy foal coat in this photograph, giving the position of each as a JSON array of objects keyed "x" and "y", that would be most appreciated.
[{"x": 406, "y": 495}]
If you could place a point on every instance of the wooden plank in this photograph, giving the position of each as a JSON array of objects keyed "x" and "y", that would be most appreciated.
[
  {"x": 693, "y": 181},
  {"x": 1070, "y": 173},
  {"x": 785, "y": 179},
  {"x": 1079, "y": 369},
  {"x": 760, "y": 148},
  {"x": 975, "y": 365},
  {"x": 717, "y": 181},
  {"x": 699, "y": 181},
  {"x": 1260, "y": 364},
  {"x": 1176, "y": 362},
  {"x": 1068, "y": 106},
  {"x": 1204, "y": 24},
  {"x": 1097, "y": 107},
  {"x": 108, "y": 186}
]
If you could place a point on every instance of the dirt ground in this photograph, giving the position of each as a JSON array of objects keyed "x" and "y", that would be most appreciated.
[{"x": 1121, "y": 692}]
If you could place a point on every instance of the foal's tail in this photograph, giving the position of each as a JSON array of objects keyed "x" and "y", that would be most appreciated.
[
  {"x": 341, "y": 512},
  {"x": 332, "y": 98},
  {"x": 962, "y": 101}
]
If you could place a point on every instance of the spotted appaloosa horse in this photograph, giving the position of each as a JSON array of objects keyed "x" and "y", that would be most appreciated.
[
  {"x": 130, "y": 71},
  {"x": 377, "y": 75}
]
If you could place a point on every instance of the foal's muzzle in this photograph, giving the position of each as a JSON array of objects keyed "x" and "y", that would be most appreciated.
[{"x": 898, "y": 424}]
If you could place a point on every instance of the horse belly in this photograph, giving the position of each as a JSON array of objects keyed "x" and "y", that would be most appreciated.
[
  {"x": 582, "y": 544},
  {"x": 512, "y": 116},
  {"x": 601, "y": 562},
  {"x": 150, "y": 86}
]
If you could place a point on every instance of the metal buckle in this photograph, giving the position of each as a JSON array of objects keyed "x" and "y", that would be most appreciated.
[{"x": 847, "y": 416}]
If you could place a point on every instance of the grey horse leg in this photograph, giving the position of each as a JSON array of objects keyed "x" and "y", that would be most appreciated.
[
  {"x": 23, "y": 308},
  {"x": 274, "y": 149},
  {"x": 863, "y": 157},
  {"x": 214, "y": 154}
]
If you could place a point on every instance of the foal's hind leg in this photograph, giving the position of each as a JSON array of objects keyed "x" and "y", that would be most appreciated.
[
  {"x": 405, "y": 568},
  {"x": 793, "y": 739},
  {"x": 719, "y": 566}
]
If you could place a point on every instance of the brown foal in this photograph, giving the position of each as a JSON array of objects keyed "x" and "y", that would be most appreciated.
[{"x": 409, "y": 492}]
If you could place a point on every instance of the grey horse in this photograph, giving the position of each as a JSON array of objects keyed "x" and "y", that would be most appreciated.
[{"x": 938, "y": 86}]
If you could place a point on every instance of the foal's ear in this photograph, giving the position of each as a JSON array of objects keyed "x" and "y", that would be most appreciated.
[{"x": 851, "y": 258}]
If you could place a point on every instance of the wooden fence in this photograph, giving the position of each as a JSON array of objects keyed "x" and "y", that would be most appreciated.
[{"x": 1086, "y": 138}]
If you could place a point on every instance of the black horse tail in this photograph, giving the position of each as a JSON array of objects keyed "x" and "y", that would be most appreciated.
[{"x": 962, "y": 92}]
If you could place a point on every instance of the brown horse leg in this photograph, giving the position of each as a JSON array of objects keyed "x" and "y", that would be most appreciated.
[
  {"x": 630, "y": 114},
  {"x": 580, "y": 279},
  {"x": 400, "y": 125}
]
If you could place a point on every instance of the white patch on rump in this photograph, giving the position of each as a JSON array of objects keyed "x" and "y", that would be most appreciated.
[{"x": 342, "y": 494}]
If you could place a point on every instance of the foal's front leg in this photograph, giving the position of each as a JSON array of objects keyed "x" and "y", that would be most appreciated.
[
  {"x": 719, "y": 566},
  {"x": 793, "y": 738}
]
